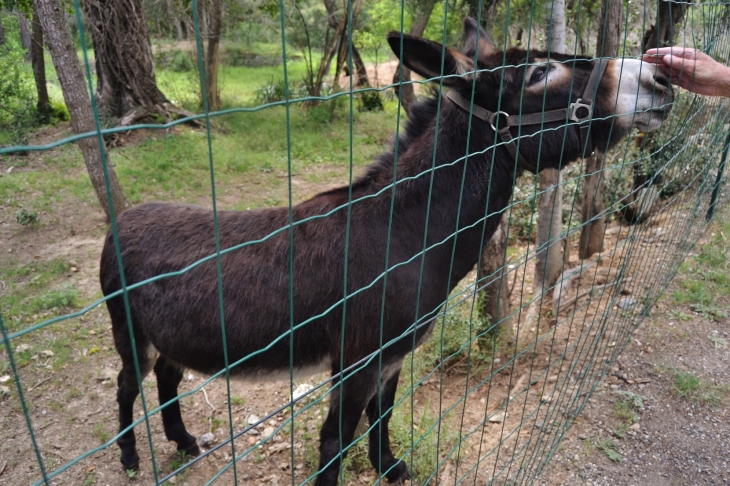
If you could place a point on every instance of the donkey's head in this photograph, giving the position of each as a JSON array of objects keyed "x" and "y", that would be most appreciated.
[{"x": 532, "y": 92}]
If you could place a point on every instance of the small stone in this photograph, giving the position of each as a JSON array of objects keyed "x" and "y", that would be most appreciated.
[
  {"x": 626, "y": 302},
  {"x": 74, "y": 270},
  {"x": 299, "y": 466},
  {"x": 22, "y": 348},
  {"x": 190, "y": 377},
  {"x": 206, "y": 440},
  {"x": 4, "y": 378},
  {"x": 546, "y": 399},
  {"x": 92, "y": 333},
  {"x": 284, "y": 465},
  {"x": 552, "y": 378},
  {"x": 4, "y": 390},
  {"x": 301, "y": 390},
  {"x": 252, "y": 419},
  {"x": 251, "y": 440},
  {"x": 482, "y": 401},
  {"x": 47, "y": 353},
  {"x": 497, "y": 418},
  {"x": 172, "y": 480},
  {"x": 106, "y": 374},
  {"x": 635, "y": 426},
  {"x": 268, "y": 431}
]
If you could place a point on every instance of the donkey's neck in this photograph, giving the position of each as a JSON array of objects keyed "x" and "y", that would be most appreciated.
[{"x": 456, "y": 191}]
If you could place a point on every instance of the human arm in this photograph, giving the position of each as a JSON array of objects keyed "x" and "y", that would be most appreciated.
[{"x": 692, "y": 70}]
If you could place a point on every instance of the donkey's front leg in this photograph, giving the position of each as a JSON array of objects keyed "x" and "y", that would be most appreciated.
[
  {"x": 379, "y": 410},
  {"x": 337, "y": 434}
]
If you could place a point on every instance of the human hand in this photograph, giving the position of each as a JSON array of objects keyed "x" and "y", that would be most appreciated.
[{"x": 691, "y": 69}]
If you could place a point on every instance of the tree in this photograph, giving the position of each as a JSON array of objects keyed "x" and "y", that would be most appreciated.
[
  {"x": 39, "y": 69},
  {"x": 126, "y": 88},
  {"x": 70, "y": 75},
  {"x": 592, "y": 232},
  {"x": 494, "y": 300},
  {"x": 210, "y": 13},
  {"x": 486, "y": 16},
  {"x": 549, "y": 261},
  {"x": 2, "y": 32},
  {"x": 24, "y": 33},
  {"x": 405, "y": 91},
  {"x": 668, "y": 15}
]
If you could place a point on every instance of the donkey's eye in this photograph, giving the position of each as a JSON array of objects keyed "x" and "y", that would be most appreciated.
[{"x": 539, "y": 74}]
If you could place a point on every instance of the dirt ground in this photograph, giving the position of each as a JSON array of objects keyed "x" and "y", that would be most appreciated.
[
  {"x": 673, "y": 440},
  {"x": 516, "y": 408}
]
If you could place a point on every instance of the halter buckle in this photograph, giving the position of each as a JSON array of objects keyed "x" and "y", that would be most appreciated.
[
  {"x": 578, "y": 105},
  {"x": 493, "y": 119}
]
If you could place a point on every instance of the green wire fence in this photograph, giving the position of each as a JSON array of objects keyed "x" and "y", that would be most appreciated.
[{"x": 472, "y": 408}]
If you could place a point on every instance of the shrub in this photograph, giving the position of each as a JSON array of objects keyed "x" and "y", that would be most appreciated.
[
  {"x": 175, "y": 60},
  {"x": 17, "y": 94},
  {"x": 29, "y": 219},
  {"x": 370, "y": 101}
]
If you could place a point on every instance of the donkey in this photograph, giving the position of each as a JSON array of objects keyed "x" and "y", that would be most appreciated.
[{"x": 430, "y": 247}]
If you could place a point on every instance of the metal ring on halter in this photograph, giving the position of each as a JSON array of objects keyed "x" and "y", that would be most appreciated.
[
  {"x": 493, "y": 119},
  {"x": 574, "y": 107}
]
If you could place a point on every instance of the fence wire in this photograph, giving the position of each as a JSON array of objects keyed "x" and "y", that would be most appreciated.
[{"x": 471, "y": 408}]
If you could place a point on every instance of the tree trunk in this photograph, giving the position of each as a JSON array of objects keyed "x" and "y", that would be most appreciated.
[
  {"x": 405, "y": 91},
  {"x": 126, "y": 87},
  {"x": 669, "y": 15},
  {"x": 486, "y": 19},
  {"x": 555, "y": 26},
  {"x": 215, "y": 13},
  {"x": 494, "y": 300},
  {"x": 610, "y": 21},
  {"x": 39, "y": 69},
  {"x": 68, "y": 67},
  {"x": 25, "y": 37},
  {"x": 2, "y": 33},
  {"x": 362, "y": 72},
  {"x": 592, "y": 232},
  {"x": 549, "y": 261},
  {"x": 549, "y": 258}
]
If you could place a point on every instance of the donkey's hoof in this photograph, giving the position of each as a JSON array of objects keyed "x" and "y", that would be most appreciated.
[
  {"x": 398, "y": 474},
  {"x": 131, "y": 464},
  {"x": 191, "y": 450}
]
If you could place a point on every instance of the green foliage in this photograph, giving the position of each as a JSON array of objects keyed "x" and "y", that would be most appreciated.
[
  {"x": 369, "y": 101},
  {"x": 29, "y": 219},
  {"x": 610, "y": 449},
  {"x": 180, "y": 62},
  {"x": 62, "y": 298},
  {"x": 17, "y": 89}
]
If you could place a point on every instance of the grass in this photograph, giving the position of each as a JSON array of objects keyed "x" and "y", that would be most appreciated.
[
  {"x": 690, "y": 386},
  {"x": 100, "y": 433},
  {"x": 610, "y": 449}
]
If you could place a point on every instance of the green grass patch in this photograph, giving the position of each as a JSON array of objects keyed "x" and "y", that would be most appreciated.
[
  {"x": 610, "y": 449},
  {"x": 690, "y": 386}
]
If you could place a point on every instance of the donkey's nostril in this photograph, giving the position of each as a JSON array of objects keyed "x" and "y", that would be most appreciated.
[{"x": 662, "y": 80}]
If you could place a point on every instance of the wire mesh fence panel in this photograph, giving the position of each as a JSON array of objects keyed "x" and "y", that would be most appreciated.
[{"x": 426, "y": 306}]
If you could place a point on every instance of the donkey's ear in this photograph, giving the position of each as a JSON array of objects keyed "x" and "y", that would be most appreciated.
[
  {"x": 423, "y": 57},
  {"x": 475, "y": 36}
]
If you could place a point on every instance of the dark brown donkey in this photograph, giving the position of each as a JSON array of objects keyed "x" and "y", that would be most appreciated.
[{"x": 177, "y": 320}]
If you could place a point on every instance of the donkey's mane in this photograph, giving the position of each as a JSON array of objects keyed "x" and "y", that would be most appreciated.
[{"x": 379, "y": 173}]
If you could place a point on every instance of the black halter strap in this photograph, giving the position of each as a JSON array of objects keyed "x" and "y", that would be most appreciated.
[{"x": 580, "y": 112}]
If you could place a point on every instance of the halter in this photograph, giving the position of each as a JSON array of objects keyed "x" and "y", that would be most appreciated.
[{"x": 580, "y": 112}]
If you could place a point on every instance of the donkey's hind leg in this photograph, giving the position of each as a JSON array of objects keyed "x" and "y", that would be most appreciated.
[
  {"x": 169, "y": 376},
  {"x": 127, "y": 392},
  {"x": 379, "y": 452},
  {"x": 342, "y": 419}
]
